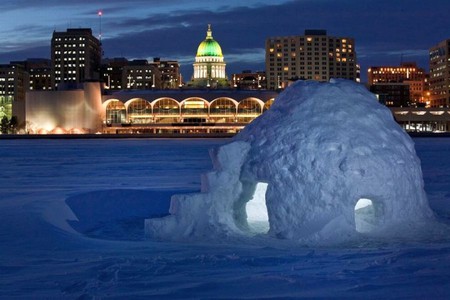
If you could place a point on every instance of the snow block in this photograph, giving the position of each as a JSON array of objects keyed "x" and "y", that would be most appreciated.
[{"x": 319, "y": 149}]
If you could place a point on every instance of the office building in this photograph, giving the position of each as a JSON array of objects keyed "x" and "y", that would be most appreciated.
[
  {"x": 248, "y": 80},
  {"x": 440, "y": 74},
  {"x": 407, "y": 73},
  {"x": 76, "y": 57},
  {"x": 39, "y": 71},
  {"x": 14, "y": 82},
  {"x": 312, "y": 56},
  {"x": 139, "y": 74}
]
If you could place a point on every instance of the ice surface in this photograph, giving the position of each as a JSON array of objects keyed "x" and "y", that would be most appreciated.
[
  {"x": 320, "y": 149},
  {"x": 46, "y": 184}
]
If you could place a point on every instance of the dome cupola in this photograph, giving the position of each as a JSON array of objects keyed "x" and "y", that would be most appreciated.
[{"x": 209, "y": 47}]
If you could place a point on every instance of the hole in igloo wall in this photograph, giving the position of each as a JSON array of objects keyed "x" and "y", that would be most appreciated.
[
  {"x": 256, "y": 209},
  {"x": 366, "y": 218}
]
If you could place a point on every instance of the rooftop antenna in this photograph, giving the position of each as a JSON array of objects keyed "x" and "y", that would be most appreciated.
[{"x": 100, "y": 14}]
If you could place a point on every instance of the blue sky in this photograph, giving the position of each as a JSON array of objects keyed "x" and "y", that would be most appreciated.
[{"x": 385, "y": 31}]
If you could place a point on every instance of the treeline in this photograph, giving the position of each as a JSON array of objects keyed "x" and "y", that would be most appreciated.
[{"x": 8, "y": 126}]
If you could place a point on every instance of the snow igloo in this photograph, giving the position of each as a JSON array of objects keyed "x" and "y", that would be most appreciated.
[{"x": 326, "y": 163}]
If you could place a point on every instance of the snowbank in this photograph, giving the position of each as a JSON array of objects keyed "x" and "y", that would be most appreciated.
[{"x": 327, "y": 161}]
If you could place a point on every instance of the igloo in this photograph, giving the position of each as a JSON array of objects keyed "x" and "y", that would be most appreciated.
[{"x": 326, "y": 163}]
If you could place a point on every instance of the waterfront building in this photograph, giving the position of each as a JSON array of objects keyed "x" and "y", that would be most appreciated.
[
  {"x": 407, "y": 73},
  {"x": 119, "y": 73},
  {"x": 14, "y": 81},
  {"x": 39, "y": 71},
  {"x": 139, "y": 74},
  {"x": 170, "y": 73},
  {"x": 312, "y": 56},
  {"x": 76, "y": 57},
  {"x": 392, "y": 94},
  {"x": 248, "y": 80},
  {"x": 209, "y": 65},
  {"x": 112, "y": 72},
  {"x": 145, "y": 111},
  {"x": 440, "y": 74}
]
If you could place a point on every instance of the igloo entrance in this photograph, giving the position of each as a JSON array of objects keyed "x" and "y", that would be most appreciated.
[
  {"x": 256, "y": 210},
  {"x": 366, "y": 215}
]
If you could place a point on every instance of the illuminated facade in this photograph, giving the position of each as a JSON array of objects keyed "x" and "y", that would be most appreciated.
[
  {"x": 209, "y": 66},
  {"x": 144, "y": 111},
  {"x": 313, "y": 56},
  {"x": 440, "y": 74},
  {"x": 183, "y": 111},
  {"x": 13, "y": 86},
  {"x": 407, "y": 73},
  {"x": 76, "y": 57}
]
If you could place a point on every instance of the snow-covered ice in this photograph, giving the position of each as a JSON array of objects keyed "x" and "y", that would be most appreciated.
[
  {"x": 320, "y": 154},
  {"x": 72, "y": 215}
]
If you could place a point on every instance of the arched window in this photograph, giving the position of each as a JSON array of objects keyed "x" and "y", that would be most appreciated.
[
  {"x": 115, "y": 112},
  {"x": 194, "y": 106},
  {"x": 166, "y": 106},
  {"x": 268, "y": 104},
  {"x": 139, "y": 111},
  {"x": 250, "y": 106},
  {"x": 222, "y": 106}
]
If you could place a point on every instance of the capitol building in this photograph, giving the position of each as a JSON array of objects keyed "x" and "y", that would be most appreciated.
[
  {"x": 209, "y": 66},
  {"x": 207, "y": 105}
]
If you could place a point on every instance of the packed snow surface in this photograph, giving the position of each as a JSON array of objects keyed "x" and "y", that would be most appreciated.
[
  {"x": 72, "y": 227},
  {"x": 326, "y": 163}
]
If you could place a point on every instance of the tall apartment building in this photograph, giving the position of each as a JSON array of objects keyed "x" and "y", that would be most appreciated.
[
  {"x": 407, "y": 73},
  {"x": 76, "y": 57},
  {"x": 13, "y": 86},
  {"x": 440, "y": 74},
  {"x": 313, "y": 56}
]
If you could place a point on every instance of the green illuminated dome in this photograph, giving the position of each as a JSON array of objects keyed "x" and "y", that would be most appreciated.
[{"x": 209, "y": 47}]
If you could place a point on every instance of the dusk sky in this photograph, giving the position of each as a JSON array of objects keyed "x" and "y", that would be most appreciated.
[{"x": 385, "y": 32}]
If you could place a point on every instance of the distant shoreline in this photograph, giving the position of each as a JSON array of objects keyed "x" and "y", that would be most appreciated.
[
  {"x": 159, "y": 136},
  {"x": 114, "y": 136}
]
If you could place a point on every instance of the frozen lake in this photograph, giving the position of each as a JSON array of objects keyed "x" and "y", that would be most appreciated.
[{"x": 72, "y": 216}]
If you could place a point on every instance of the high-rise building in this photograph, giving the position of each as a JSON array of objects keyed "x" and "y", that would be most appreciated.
[
  {"x": 313, "y": 56},
  {"x": 209, "y": 66},
  {"x": 76, "y": 56},
  {"x": 407, "y": 73},
  {"x": 40, "y": 73},
  {"x": 14, "y": 82},
  {"x": 440, "y": 74}
]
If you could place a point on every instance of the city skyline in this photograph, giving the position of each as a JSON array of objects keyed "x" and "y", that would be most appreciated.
[{"x": 385, "y": 32}]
